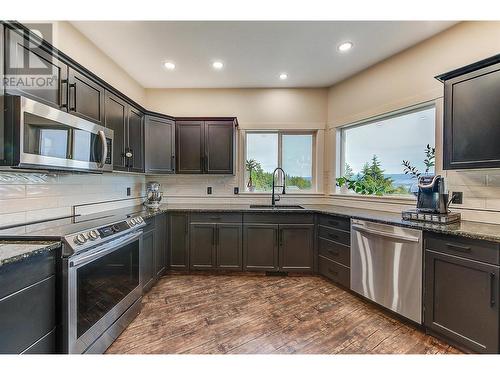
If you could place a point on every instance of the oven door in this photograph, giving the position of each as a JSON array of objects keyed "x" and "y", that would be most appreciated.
[
  {"x": 101, "y": 285},
  {"x": 53, "y": 139}
]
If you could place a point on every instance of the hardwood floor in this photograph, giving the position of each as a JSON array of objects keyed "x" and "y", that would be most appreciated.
[{"x": 218, "y": 314}]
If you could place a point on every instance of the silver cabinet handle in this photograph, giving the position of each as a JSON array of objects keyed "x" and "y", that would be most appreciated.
[{"x": 384, "y": 234}]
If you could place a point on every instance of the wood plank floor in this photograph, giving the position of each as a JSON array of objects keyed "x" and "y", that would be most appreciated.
[{"x": 218, "y": 314}]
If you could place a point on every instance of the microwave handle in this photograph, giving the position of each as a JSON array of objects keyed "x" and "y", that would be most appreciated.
[{"x": 104, "y": 149}]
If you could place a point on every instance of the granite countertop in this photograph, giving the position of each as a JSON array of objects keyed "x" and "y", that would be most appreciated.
[
  {"x": 12, "y": 251},
  {"x": 469, "y": 229}
]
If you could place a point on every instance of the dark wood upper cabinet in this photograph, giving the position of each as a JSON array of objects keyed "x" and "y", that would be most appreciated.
[
  {"x": 219, "y": 147},
  {"x": 159, "y": 145},
  {"x": 190, "y": 146},
  {"x": 85, "y": 97},
  {"x": 134, "y": 154},
  {"x": 472, "y": 116},
  {"x": 127, "y": 124},
  {"x": 116, "y": 116},
  {"x": 24, "y": 57},
  {"x": 205, "y": 145}
]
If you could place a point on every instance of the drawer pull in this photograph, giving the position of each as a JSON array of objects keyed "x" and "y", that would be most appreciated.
[
  {"x": 492, "y": 289},
  {"x": 334, "y": 253},
  {"x": 334, "y": 273},
  {"x": 463, "y": 249}
]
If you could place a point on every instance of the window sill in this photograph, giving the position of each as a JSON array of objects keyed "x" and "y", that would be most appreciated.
[
  {"x": 268, "y": 194},
  {"x": 401, "y": 199}
]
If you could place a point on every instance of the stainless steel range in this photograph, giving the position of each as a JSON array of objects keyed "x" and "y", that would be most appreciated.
[{"x": 101, "y": 284}]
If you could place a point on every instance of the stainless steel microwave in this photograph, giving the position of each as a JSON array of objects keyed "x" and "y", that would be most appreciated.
[{"x": 37, "y": 136}]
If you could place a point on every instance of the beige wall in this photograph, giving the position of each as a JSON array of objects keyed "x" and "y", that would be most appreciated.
[
  {"x": 255, "y": 108},
  {"x": 407, "y": 79},
  {"x": 74, "y": 44}
]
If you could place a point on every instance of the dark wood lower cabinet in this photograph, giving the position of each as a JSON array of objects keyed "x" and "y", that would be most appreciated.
[
  {"x": 462, "y": 301},
  {"x": 229, "y": 246},
  {"x": 296, "y": 247},
  {"x": 147, "y": 260},
  {"x": 202, "y": 246},
  {"x": 178, "y": 248},
  {"x": 28, "y": 305},
  {"x": 160, "y": 244},
  {"x": 260, "y": 247}
]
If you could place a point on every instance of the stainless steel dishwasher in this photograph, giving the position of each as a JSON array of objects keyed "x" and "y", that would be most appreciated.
[{"x": 386, "y": 266}]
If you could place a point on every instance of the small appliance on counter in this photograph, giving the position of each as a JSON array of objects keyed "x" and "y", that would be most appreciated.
[
  {"x": 432, "y": 202},
  {"x": 153, "y": 195}
]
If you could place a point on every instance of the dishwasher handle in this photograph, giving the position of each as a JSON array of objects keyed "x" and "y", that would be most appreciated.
[{"x": 395, "y": 236}]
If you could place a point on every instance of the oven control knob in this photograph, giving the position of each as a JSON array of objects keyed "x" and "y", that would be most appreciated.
[
  {"x": 93, "y": 235},
  {"x": 80, "y": 239},
  {"x": 139, "y": 219},
  {"x": 133, "y": 221}
]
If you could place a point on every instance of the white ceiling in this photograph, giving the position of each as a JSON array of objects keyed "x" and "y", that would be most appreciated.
[{"x": 254, "y": 52}]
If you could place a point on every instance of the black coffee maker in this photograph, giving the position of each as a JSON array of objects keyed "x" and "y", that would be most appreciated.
[{"x": 432, "y": 195}]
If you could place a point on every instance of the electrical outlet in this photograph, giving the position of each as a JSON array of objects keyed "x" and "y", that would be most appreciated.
[
  {"x": 128, "y": 192},
  {"x": 236, "y": 190},
  {"x": 209, "y": 190},
  {"x": 457, "y": 197}
]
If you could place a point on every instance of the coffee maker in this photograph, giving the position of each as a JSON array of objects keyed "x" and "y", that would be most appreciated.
[
  {"x": 153, "y": 195},
  {"x": 432, "y": 195},
  {"x": 432, "y": 202}
]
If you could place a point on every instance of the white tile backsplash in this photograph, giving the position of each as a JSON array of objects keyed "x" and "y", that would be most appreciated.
[{"x": 38, "y": 196}]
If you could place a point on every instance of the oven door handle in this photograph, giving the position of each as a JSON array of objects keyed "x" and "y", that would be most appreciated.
[{"x": 105, "y": 249}]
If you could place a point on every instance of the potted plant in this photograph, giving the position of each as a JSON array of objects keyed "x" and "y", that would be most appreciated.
[
  {"x": 250, "y": 166},
  {"x": 429, "y": 162}
]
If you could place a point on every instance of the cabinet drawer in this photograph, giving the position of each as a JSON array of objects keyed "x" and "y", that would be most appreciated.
[
  {"x": 27, "y": 316},
  {"x": 336, "y": 222},
  {"x": 19, "y": 275},
  {"x": 483, "y": 251},
  {"x": 335, "y": 235},
  {"x": 215, "y": 217},
  {"x": 335, "y": 271},
  {"x": 335, "y": 251},
  {"x": 278, "y": 218}
]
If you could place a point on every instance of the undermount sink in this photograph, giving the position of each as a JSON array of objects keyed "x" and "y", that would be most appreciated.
[{"x": 271, "y": 207}]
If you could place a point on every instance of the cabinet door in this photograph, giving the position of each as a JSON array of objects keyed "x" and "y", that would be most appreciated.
[
  {"x": 160, "y": 244},
  {"x": 202, "y": 246},
  {"x": 25, "y": 58},
  {"x": 115, "y": 118},
  {"x": 461, "y": 301},
  {"x": 86, "y": 97},
  {"x": 147, "y": 261},
  {"x": 471, "y": 118},
  {"x": 189, "y": 147},
  {"x": 229, "y": 246},
  {"x": 296, "y": 247},
  {"x": 135, "y": 140},
  {"x": 178, "y": 241},
  {"x": 219, "y": 147},
  {"x": 260, "y": 247},
  {"x": 159, "y": 145}
]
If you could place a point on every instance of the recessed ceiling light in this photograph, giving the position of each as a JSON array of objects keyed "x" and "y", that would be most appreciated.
[
  {"x": 169, "y": 65},
  {"x": 283, "y": 76},
  {"x": 218, "y": 65},
  {"x": 345, "y": 46}
]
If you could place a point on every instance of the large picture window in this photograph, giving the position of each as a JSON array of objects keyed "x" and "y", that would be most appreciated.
[
  {"x": 385, "y": 156},
  {"x": 291, "y": 151}
]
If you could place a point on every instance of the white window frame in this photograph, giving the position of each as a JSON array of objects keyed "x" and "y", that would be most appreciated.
[
  {"x": 313, "y": 133},
  {"x": 340, "y": 154}
]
